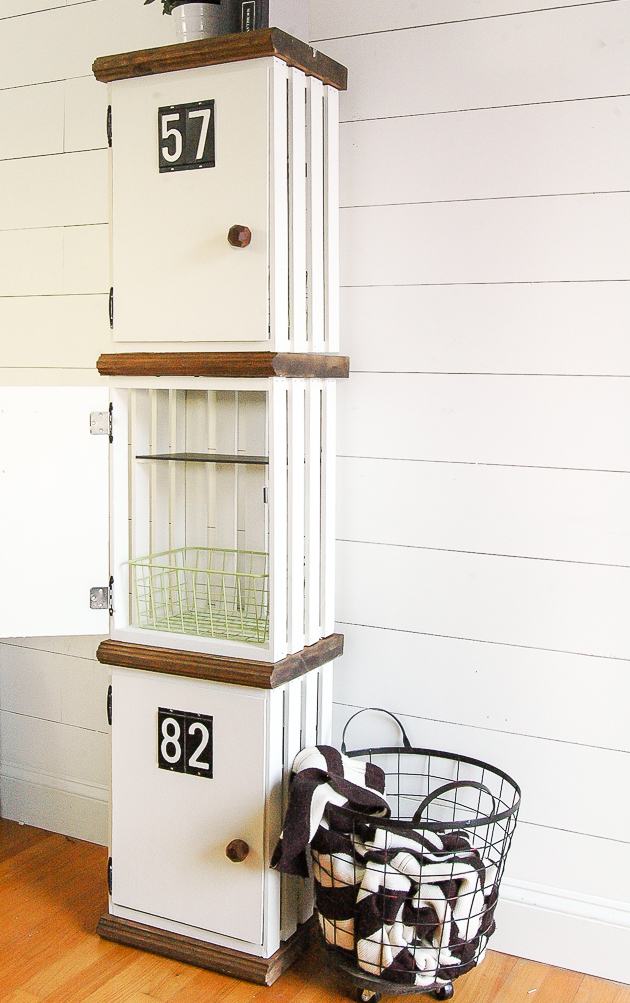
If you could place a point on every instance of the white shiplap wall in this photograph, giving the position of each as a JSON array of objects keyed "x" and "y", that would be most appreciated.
[
  {"x": 54, "y": 281},
  {"x": 484, "y": 468}
]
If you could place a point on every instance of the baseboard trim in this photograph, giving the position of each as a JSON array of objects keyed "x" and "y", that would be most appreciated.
[
  {"x": 567, "y": 903},
  {"x": 226, "y": 961}
]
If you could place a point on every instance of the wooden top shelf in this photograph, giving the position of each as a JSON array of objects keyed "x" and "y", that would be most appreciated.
[
  {"x": 223, "y": 49},
  {"x": 225, "y": 364}
]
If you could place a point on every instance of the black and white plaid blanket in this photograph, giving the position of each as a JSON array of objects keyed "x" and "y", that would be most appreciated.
[{"x": 412, "y": 906}]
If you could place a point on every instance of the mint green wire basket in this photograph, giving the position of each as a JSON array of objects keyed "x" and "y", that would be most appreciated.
[{"x": 205, "y": 591}]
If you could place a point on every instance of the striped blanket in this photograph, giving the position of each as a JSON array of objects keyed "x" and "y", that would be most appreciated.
[{"x": 412, "y": 906}]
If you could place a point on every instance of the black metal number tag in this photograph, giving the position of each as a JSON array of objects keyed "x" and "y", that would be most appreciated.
[
  {"x": 186, "y": 136},
  {"x": 184, "y": 742}
]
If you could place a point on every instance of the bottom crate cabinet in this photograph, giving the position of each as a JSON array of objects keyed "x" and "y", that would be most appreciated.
[{"x": 199, "y": 784}]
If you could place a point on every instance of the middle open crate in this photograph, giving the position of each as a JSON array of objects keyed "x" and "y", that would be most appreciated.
[{"x": 222, "y": 492}]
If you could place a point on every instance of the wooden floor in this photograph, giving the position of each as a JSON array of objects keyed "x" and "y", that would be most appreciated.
[{"x": 52, "y": 891}]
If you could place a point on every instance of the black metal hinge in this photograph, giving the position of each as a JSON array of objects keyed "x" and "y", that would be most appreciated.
[
  {"x": 109, "y": 875},
  {"x": 109, "y": 125},
  {"x": 111, "y": 308},
  {"x": 109, "y": 705}
]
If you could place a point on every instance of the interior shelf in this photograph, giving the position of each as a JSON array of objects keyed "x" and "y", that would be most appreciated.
[{"x": 206, "y": 458}]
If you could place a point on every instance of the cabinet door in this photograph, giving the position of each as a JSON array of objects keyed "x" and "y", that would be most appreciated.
[
  {"x": 176, "y": 277},
  {"x": 170, "y": 829},
  {"x": 54, "y": 502}
]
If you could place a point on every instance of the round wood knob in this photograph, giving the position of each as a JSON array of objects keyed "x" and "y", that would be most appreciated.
[
  {"x": 239, "y": 236},
  {"x": 237, "y": 850}
]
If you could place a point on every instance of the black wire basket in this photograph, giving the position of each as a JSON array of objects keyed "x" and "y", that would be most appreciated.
[{"x": 414, "y": 901}]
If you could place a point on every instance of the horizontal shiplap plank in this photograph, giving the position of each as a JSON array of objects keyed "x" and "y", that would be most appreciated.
[
  {"x": 86, "y": 259},
  {"x": 566, "y": 515},
  {"x": 544, "y": 421},
  {"x": 575, "y": 146},
  {"x": 54, "y": 331},
  {"x": 491, "y": 686},
  {"x": 78, "y": 646},
  {"x": 57, "y": 687},
  {"x": 552, "y": 55},
  {"x": 32, "y": 121},
  {"x": 66, "y": 190},
  {"x": 85, "y": 125},
  {"x": 48, "y": 807},
  {"x": 574, "y": 328},
  {"x": 56, "y": 749},
  {"x": 54, "y": 261},
  {"x": 547, "y": 239},
  {"x": 506, "y": 600},
  {"x": 328, "y": 20},
  {"x": 564, "y": 786},
  {"x": 15, "y": 8}
]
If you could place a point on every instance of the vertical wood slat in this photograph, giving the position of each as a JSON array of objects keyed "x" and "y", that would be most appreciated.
[
  {"x": 278, "y": 251},
  {"x": 312, "y": 509},
  {"x": 324, "y": 706},
  {"x": 123, "y": 508},
  {"x": 272, "y": 907},
  {"x": 309, "y": 684},
  {"x": 331, "y": 219},
  {"x": 328, "y": 502},
  {"x": 278, "y": 518},
  {"x": 292, "y": 743},
  {"x": 296, "y": 400},
  {"x": 315, "y": 214},
  {"x": 297, "y": 208}
]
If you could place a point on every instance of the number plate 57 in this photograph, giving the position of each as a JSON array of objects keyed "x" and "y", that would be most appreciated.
[
  {"x": 186, "y": 136},
  {"x": 185, "y": 742}
]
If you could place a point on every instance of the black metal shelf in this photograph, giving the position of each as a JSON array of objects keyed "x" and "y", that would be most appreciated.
[{"x": 206, "y": 458}]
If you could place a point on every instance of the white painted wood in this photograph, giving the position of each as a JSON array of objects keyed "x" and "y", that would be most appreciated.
[
  {"x": 33, "y": 799},
  {"x": 325, "y": 704},
  {"x": 564, "y": 786},
  {"x": 33, "y": 121},
  {"x": 54, "y": 191},
  {"x": 576, "y": 328},
  {"x": 503, "y": 688},
  {"x": 362, "y": 16},
  {"x": 534, "y": 603},
  {"x": 185, "y": 217},
  {"x": 515, "y": 420},
  {"x": 50, "y": 496},
  {"x": 86, "y": 259},
  {"x": 278, "y": 211},
  {"x": 14, "y": 8},
  {"x": 313, "y": 528},
  {"x": 296, "y": 514},
  {"x": 81, "y": 646},
  {"x": 278, "y": 519},
  {"x": 549, "y": 239},
  {"x": 161, "y": 816},
  {"x": 31, "y": 262},
  {"x": 274, "y": 772},
  {"x": 566, "y": 515},
  {"x": 445, "y": 67},
  {"x": 85, "y": 119},
  {"x": 297, "y": 208},
  {"x": 331, "y": 218},
  {"x": 549, "y": 149},
  {"x": 291, "y": 16},
  {"x": 77, "y": 755},
  {"x": 315, "y": 213},
  {"x": 291, "y": 884},
  {"x": 56, "y": 332},
  {"x": 310, "y": 694},
  {"x": 328, "y": 501}
]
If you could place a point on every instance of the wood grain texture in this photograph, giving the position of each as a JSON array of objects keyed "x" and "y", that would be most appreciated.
[
  {"x": 223, "y": 49},
  {"x": 228, "y": 364},
  {"x": 262, "y": 971},
  {"x": 238, "y": 671}
]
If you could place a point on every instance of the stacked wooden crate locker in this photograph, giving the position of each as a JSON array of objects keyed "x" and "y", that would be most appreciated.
[{"x": 225, "y": 230}]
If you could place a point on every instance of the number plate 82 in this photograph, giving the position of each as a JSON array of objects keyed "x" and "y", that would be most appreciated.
[{"x": 184, "y": 742}]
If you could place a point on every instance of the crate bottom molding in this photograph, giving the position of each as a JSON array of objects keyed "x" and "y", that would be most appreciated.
[
  {"x": 225, "y": 960},
  {"x": 205, "y": 592}
]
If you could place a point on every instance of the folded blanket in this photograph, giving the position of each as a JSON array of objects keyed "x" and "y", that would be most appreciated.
[{"x": 413, "y": 906}]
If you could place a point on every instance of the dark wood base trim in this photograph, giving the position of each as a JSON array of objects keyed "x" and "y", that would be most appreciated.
[
  {"x": 223, "y": 49},
  {"x": 262, "y": 971},
  {"x": 221, "y": 668},
  {"x": 253, "y": 365}
]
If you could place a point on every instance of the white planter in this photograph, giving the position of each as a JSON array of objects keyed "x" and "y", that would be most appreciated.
[{"x": 197, "y": 20}]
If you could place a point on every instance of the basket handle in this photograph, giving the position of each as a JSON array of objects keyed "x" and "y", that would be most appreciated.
[
  {"x": 381, "y": 710},
  {"x": 454, "y": 785}
]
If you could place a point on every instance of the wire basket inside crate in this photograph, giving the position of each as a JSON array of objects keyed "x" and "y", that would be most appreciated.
[
  {"x": 407, "y": 903},
  {"x": 206, "y": 591}
]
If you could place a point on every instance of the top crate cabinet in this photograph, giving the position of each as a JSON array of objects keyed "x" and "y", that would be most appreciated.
[{"x": 232, "y": 132}]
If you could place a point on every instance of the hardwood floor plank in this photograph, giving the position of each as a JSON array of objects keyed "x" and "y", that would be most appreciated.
[
  {"x": 483, "y": 984},
  {"x": 559, "y": 984},
  {"x": 526, "y": 978},
  {"x": 14, "y": 838},
  {"x": 594, "y": 990}
]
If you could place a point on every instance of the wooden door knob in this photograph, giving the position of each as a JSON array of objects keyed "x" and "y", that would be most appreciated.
[
  {"x": 239, "y": 236},
  {"x": 237, "y": 850}
]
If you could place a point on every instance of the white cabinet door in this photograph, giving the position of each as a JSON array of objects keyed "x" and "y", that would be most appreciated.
[
  {"x": 54, "y": 502},
  {"x": 169, "y": 829},
  {"x": 176, "y": 277}
]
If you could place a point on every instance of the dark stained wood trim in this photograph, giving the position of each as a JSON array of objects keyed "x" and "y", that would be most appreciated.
[
  {"x": 220, "y": 668},
  {"x": 228, "y": 364},
  {"x": 262, "y": 971},
  {"x": 223, "y": 49}
]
